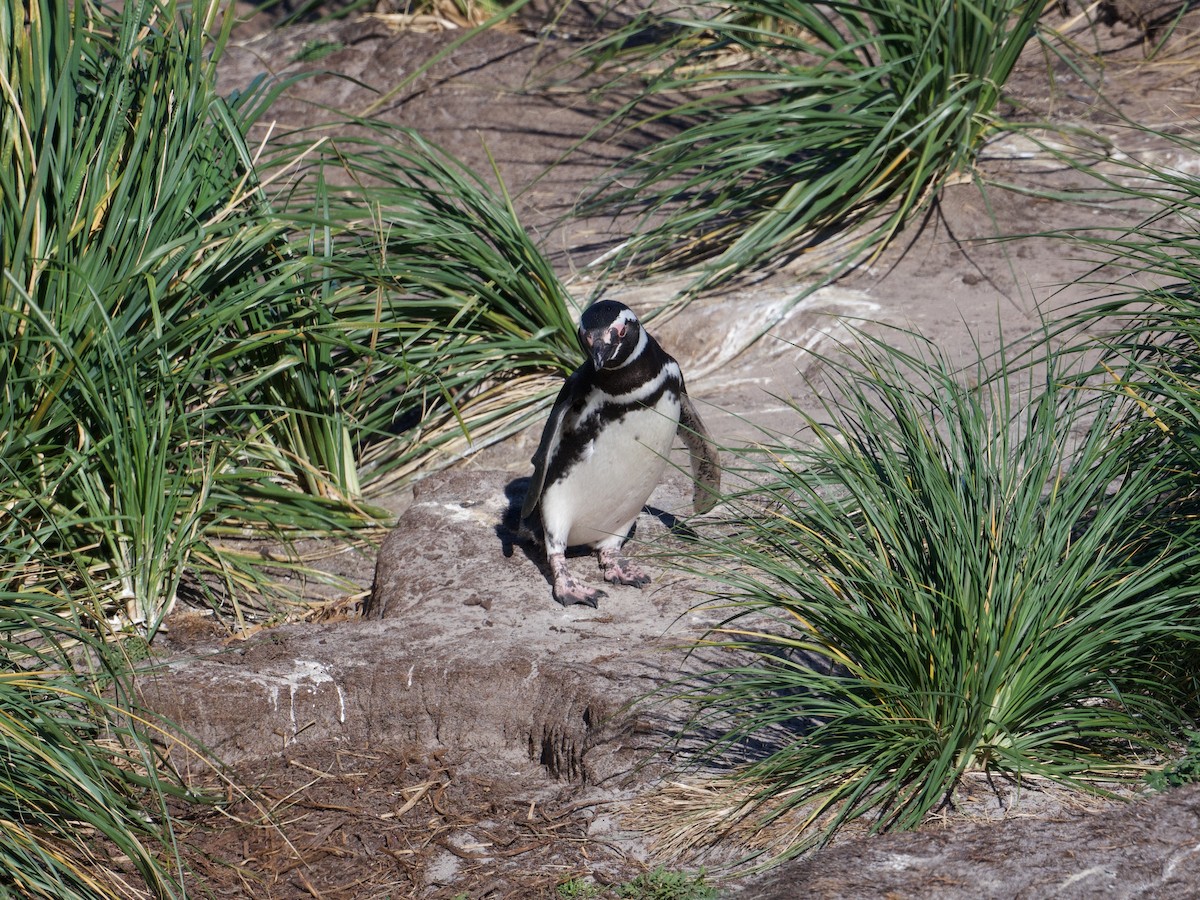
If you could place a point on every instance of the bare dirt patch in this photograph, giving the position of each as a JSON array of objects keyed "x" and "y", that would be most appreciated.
[{"x": 470, "y": 737}]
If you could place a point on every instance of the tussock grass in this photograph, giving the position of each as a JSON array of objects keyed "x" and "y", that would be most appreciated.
[
  {"x": 83, "y": 786},
  {"x": 792, "y": 123},
  {"x": 954, "y": 573},
  {"x": 203, "y": 339}
]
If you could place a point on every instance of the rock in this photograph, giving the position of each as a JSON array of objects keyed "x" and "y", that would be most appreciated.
[
  {"x": 463, "y": 647},
  {"x": 457, "y": 546},
  {"x": 1141, "y": 849}
]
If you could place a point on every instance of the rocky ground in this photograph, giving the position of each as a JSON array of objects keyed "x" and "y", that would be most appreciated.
[{"x": 471, "y": 738}]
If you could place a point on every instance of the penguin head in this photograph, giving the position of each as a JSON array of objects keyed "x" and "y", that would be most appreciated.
[{"x": 611, "y": 334}]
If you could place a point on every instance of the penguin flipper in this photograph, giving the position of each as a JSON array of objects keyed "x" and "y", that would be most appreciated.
[
  {"x": 551, "y": 436},
  {"x": 706, "y": 462}
]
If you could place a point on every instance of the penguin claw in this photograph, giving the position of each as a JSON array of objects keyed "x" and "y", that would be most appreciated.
[
  {"x": 577, "y": 594},
  {"x": 589, "y": 600},
  {"x": 639, "y": 580},
  {"x": 618, "y": 570}
]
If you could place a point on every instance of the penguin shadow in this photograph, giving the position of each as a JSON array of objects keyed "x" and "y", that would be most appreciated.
[
  {"x": 670, "y": 521},
  {"x": 510, "y": 531},
  {"x": 791, "y": 720},
  {"x": 513, "y": 533}
]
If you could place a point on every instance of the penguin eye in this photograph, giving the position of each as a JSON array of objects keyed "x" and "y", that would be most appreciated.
[{"x": 621, "y": 330}]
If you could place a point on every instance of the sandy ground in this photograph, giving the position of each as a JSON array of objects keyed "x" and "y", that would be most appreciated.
[{"x": 470, "y": 737}]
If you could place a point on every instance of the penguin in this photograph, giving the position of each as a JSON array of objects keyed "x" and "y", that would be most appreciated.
[{"x": 605, "y": 447}]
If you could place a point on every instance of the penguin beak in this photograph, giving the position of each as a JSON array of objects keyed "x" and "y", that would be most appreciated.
[{"x": 601, "y": 345}]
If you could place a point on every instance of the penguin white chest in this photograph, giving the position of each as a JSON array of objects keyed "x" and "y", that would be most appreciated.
[{"x": 601, "y": 496}]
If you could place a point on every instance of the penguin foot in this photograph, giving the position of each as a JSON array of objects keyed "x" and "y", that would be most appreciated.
[
  {"x": 618, "y": 570},
  {"x": 575, "y": 592},
  {"x": 567, "y": 590}
]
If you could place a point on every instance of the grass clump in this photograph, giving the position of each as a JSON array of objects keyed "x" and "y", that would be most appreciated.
[
  {"x": 203, "y": 340},
  {"x": 1146, "y": 330},
  {"x": 578, "y": 889},
  {"x": 1181, "y": 771},
  {"x": 954, "y": 575},
  {"x": 82, "y": 813},
  {"x": 661, "y": 884},
  {"x": 791, "y": 122},
  {"x": 657, "y": 884}
]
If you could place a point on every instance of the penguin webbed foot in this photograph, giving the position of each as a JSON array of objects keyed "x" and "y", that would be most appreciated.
[
  {"x": 567, "y": 590},
  {"x": 618, "y": 570}
]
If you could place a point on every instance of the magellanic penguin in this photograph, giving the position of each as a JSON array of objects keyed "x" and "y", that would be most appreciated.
[{"x": 605, "y": 447}]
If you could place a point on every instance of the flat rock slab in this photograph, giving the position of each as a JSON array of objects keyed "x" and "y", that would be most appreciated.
[
  {"x": 463, "y": 647},
  {"x": 1147, "y": 849}
]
